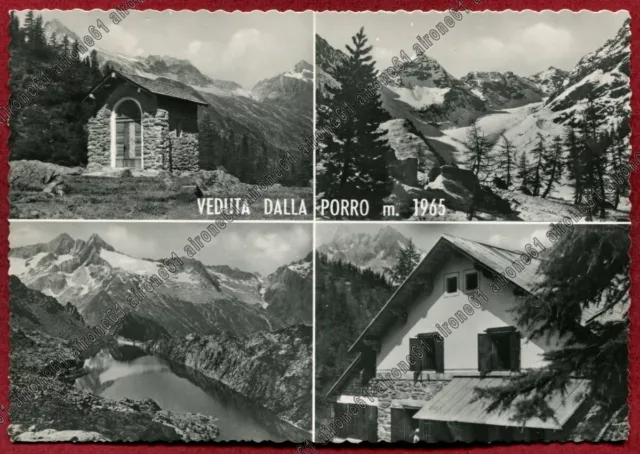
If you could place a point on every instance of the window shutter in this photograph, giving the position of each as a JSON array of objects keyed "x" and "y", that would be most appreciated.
[
  {"x": 398, "y": 429},
  {"x": 371, "y": 414},
  {"x": 439, "y": 354},
  {"x": 484, "y": 353},
  {"x": 514, "y": 344},
  {"x": 414, "y": 345}
]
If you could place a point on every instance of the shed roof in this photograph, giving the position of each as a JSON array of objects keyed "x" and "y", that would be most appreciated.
[
  {"x": 159, "y": 87},
  {"x": 455, "y": 403}
]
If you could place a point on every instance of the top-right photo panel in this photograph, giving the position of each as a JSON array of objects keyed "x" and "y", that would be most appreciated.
[{"x": 473, "y": 116}]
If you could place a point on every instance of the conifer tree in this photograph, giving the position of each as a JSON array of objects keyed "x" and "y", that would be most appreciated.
[
  {"x": 524, "y": 171},
  {"x": 585, "y": 272},
  {"x": 355, "y": 154},
  {"x": 553, "y": 165},
  {"x": 408, "y": 259},
  {"x": 574, "y": 163},
  {"x": 506, "y": 161},
  {"x": 539, "y": 153},
  {"x": 478, "y": 159}
]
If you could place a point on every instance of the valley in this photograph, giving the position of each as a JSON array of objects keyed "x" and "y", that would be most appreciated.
[
  {"x": 212, "y": 345},
  {"x": 440, "y": 120}
]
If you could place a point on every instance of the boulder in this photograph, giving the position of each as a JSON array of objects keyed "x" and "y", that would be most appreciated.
[
  {"x": 525, "y": 190},
  {"x": 463, "y": 176},
  {"x": 40, "y": 176},
  {"x": 405, "y": 171},
  {"x": 213, "y": 183},
  {"x": 455, "y": 195},
  {"x": 490, "y": 202}
]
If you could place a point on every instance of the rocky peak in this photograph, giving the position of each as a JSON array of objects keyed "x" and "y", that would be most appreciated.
[
  {"x": 97, "y": 243},
  {"x": 62, "y": 244},
  {"x": 303, "y": 65}
]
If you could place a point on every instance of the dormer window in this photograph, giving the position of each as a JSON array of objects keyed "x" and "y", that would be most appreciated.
[
  {"x": 471, "y": 280},
  {"x": 451, "y": 284}
]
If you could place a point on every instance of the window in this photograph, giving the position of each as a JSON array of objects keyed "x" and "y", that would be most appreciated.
[
  {"x": 431, "y": 345},
  {"x": 451, "y": 284},
  {"x": 499, "y": 350},
  {"x": 471, "y": 280}
]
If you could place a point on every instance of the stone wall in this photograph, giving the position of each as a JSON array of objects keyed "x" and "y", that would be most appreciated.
[
  {"x": 390, "y": 393},
  {"x": 156, "y": 147},
  {"x": 185, "y": 150},
  {"x": 99, "y": 140},
  {"x": 161, "y": 147}
]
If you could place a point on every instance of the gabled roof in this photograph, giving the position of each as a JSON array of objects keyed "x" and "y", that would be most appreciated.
[
  {"x": 157, "y": 87},
  {"x": 493, "y": 259}
]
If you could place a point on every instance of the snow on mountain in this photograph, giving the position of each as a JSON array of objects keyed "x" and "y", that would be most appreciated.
[
  {"x": 435, "y": 95},
  {"x": 288, "y": 292},
  {"x": 549, "y": 80},
  {"x": 376, "y": 252},
  {"x": 503, "y": 90},
  {"x": 93, "y": 276},
  {"x": 602, "y": 75},
  {"x": 293, "y": 88},
  {"x": 279, "y": 122}
]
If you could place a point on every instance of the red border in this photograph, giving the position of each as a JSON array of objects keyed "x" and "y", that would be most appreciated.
[{"x": 633, "y": 445}]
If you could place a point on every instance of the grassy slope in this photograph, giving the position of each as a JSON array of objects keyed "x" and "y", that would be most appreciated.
[{"x": 136, "y": 198}]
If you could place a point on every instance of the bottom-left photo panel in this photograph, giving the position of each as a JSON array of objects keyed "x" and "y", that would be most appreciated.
[{"x": 160, "y": 332}]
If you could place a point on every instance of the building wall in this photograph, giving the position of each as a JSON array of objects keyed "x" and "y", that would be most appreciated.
[
  {"x": 162, "y": 149},
  {"x": 181, "y": 140},
  {"x": 461, "y": 344},
  {"x": 388, "y": 393}
]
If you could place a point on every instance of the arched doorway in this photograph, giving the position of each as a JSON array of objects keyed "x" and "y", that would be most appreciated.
[{"x": 126, "y": 134}]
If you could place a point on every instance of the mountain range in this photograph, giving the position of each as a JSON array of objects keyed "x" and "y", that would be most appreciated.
[
  {"x": 277, "y": 111},
  {"x": 440, "y": 107},
  {"x": 204, "y": 299},
  {"x": 376, "y": 252}
]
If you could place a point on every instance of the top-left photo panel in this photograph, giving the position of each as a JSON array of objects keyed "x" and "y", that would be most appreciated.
[{"x": 127, "y": 114}]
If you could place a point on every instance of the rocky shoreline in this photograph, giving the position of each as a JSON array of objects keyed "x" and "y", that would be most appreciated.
[
  {"x": 271, "y": 368},
  {"x": 46, "y": 408}
]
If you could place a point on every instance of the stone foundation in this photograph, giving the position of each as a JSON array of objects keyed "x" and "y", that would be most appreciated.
[{"x": 390, "y": 393}]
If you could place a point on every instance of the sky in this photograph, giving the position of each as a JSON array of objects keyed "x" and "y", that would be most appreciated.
[
  {"x": 425, "y": 236},
  {"x": 241, "y": 47},
  {"x": 261, "y": 247},
  {"x": 523, "y": 42}
]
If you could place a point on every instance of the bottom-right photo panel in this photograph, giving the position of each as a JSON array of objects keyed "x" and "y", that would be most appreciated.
[{"x": 431, "y": 333}]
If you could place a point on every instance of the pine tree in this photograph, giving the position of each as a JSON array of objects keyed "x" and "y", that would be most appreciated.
[
  {"x": 478, "y": 160},
  {"x": 594, "y": 145},
  {"x": 506, "y": 163},
  {"x": 524, "y": 171},
  {"x": 539, "y": 153},
  {"x": 408, "y": 259},
  {"x": 355, "y": 155},
  {"x": 553, "y": 165},
  {"x": 618, "y": 157},
  {"x": 587, "y": 269},
  {"x": 574, "y": 163}
]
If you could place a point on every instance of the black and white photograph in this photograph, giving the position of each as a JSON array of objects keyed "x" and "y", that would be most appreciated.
[
  {"x": 150, "y": 114},
  {"x": 432, "y": 333},
  {"x": 479, "y": 116},
  {"x": 148, "y": 332}
]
